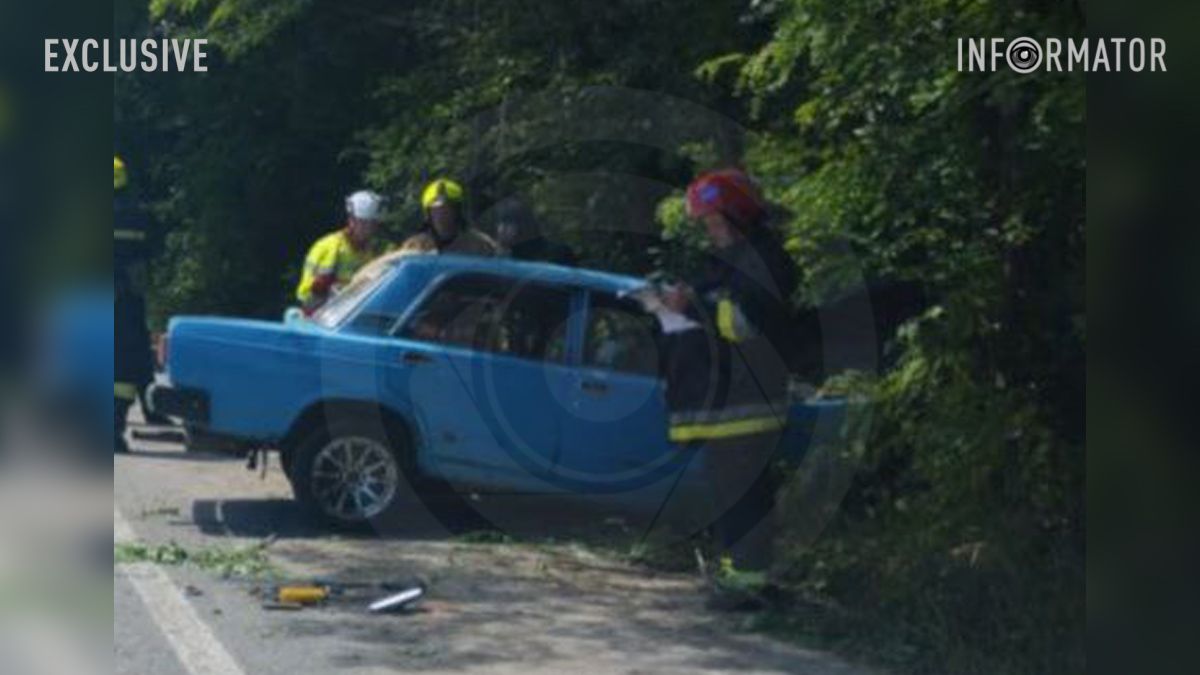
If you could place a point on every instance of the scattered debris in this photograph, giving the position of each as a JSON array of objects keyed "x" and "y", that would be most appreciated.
[
  {"x": 160, "y": 511},
  {"x": 249, "y": 561},
  {"x": 399, "y": 601},
  {"x": 302, "y": 595},
  {"x": 192, "y": 591}
]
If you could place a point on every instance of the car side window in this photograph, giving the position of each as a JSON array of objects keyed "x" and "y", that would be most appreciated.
[
  {"x": 494, "y": 314},
  {"x": 621, "y": 336}
]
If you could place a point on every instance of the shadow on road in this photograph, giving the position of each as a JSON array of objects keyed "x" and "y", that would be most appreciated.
[
  {"x": 159, "y": 434},
  {"x": 256, "y": 519},
  {"x": 482, "y": 518},
  {"x": 550, "y": 599}
]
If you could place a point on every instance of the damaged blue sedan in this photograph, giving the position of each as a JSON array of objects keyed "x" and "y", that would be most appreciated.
[{"x": 484, "y": 373}]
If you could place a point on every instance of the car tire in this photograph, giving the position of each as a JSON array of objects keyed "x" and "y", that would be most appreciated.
[{"x": 352, "y": 472}]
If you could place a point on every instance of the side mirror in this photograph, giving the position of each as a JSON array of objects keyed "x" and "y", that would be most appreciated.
[{"x": 293, "y": 316}]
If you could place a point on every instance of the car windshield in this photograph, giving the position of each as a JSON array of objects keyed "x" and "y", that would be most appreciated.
[{"x": 339, "y": 307}]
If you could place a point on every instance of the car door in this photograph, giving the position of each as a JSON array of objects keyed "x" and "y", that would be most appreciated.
[
  {"x": 615, "y": 438},
  {"x": 488, "y": 377}
]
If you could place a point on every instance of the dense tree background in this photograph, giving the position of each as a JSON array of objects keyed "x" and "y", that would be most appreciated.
[{"x": 960, "y": 546}]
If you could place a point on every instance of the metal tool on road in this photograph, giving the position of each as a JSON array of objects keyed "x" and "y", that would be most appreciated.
[
  {"x": 398, "y": 601},
  {"x": 402, "y": 596}
]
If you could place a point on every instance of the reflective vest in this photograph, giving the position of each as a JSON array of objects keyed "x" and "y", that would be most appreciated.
[
  {"x": 728, "y": 378},
  {"x": 719, "y": 388},
  {"x": 330, "y": 264}
]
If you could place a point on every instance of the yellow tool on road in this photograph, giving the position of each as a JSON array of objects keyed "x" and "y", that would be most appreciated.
[{"x": 302, "y": 595}]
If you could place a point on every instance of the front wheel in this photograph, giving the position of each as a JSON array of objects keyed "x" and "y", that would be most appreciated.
[{"x": 350, "y": 474}]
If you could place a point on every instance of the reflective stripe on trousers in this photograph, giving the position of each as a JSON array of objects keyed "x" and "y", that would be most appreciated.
[{"x": 681, "y": 433}]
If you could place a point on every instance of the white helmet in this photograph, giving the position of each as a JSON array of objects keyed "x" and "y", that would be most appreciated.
[{"x": 365, "y": 205}]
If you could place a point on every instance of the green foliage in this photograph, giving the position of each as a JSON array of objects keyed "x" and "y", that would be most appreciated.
[
  {"x": 248, "y": 561},
  {"x": 965, "y": 520},
  {"x": 235, "y": 26}
]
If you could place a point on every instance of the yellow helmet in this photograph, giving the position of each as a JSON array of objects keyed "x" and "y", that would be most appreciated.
[
  {"x": 439, "y": 190},
  {"x": 120, "y": 176}
]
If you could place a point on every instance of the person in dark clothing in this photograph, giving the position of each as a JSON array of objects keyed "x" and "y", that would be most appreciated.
[
  {"x": 520, "y": 233},
  {"x": 133, "y": 367},
  {"x": 727, "y": 378}
]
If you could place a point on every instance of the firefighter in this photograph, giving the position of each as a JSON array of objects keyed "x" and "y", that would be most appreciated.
[
  {"x": 727, "y": 378},
  {"x": 521, "y": 235},
  {"x": 133, "y": 367},
  {"x": 445, "y": 228},
  {"x": 334, "y": 259}
]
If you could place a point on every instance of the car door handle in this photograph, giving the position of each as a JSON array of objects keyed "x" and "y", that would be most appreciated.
[
  {"x": 415, "y": 358},
  {"x": 593, "y": 387}
]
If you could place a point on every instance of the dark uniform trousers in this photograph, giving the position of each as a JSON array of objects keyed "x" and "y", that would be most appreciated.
[
  {"x": 133, "y": 367},
  {"x": 740, "y": 474}
]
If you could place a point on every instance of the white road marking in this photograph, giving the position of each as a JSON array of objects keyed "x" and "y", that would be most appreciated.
[{"x": 193, "y": 641}]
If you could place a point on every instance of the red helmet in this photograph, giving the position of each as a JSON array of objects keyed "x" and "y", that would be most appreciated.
[{"x": 729, "y": 192}]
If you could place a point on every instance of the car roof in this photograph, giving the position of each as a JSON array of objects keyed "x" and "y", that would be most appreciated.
[{"x": 543, "y": 272}]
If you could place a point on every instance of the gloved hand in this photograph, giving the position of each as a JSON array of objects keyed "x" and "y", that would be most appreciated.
[{"x": 323, "y": 284}]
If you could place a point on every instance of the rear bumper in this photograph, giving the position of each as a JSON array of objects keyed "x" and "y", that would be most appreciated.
[{"x": 189, "y": 404}]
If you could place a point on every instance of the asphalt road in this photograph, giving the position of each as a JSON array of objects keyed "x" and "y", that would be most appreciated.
[
  {"x": 139, "y": 645},
  {"x": 491, "y": 608}
]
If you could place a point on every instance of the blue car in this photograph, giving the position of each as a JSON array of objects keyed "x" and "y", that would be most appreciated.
[{"x": 488, "y": 373}]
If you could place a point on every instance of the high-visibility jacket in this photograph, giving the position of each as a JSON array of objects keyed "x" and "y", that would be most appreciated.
[
  {"x": 330, "y": 264},
  {"x": 728, "y": 378}
]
